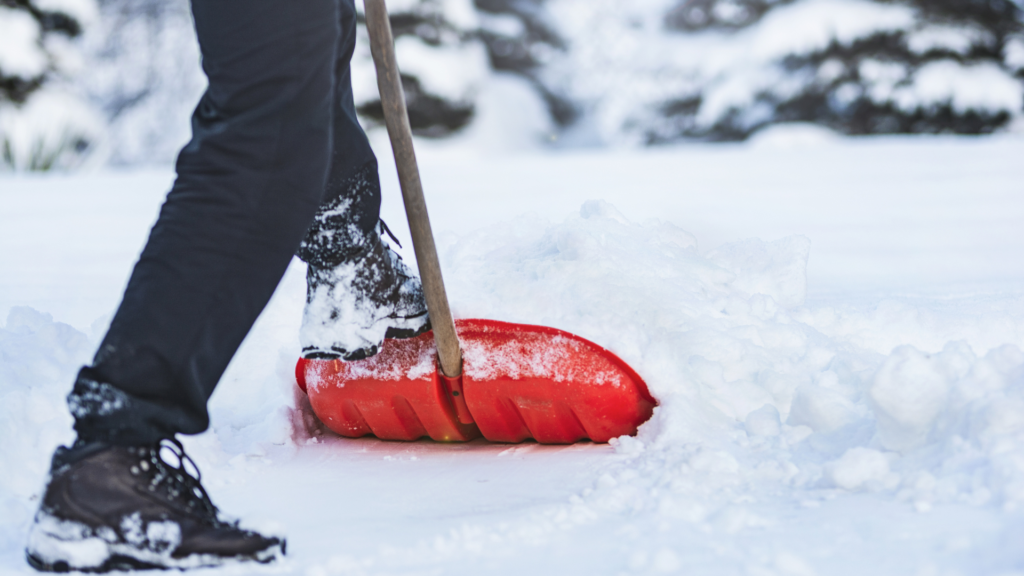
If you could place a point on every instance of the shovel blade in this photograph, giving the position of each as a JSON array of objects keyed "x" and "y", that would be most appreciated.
[{"x": 518, "y": 382}]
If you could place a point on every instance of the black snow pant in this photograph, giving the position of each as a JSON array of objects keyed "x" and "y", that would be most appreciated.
[{"x": 277, "y": 164}]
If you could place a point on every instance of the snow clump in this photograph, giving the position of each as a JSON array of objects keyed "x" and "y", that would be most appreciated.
[{"x": 751, "y": 391}]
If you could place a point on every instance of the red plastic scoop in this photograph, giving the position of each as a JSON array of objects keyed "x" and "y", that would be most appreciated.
[
  {"x": 514, "y": 381},
  {"x": 518, "y": 382}
]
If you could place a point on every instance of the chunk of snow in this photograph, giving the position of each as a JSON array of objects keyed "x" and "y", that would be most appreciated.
[
  {"x": 909, "y": 392},
  {"x": 862, "y": 468},
  {"x": 764, "y": 421},
  {"x": 55, "y": 540},
  {"x": 822, "y": 409}
]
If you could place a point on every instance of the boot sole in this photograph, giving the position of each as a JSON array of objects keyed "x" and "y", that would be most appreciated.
[
  {"x": 117, "y": 561},
  {"x": 123, "y": 563},
  {"x": 398, "y": 330},
  {"x": 402, "y": 332}
]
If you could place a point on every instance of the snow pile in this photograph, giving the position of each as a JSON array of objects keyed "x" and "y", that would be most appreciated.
[
  {"x": 38, "y": 362},
  {"x": 754, "y": 399},
  {"x": 728, "y": 348},
  {"x": 39, "y": 358},
  {"x": 742, "y": 368}
]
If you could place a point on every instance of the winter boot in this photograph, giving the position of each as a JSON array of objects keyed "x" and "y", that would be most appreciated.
[
  {"x": 119, "y": 508},
  {"x": 351, "y": 308}
]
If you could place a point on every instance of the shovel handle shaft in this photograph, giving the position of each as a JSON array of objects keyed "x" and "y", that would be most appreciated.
[{"x": 396, "y": 117}]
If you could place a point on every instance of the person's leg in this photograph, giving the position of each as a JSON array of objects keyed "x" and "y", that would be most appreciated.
[
  {"x": 346, "y": 221},
  {"x": 358, "y": 289},
  {"x": 248, "y": 186}
]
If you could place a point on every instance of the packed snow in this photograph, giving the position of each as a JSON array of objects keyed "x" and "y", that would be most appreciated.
[{"x": 833, "y": 328}]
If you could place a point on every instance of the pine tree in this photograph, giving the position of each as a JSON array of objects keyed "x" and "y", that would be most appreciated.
[
  {"x": 447, "y": 48},
  {"x": 442, "y": 62},
  {"x": 145, "y": 76},
  {"x": 27, "y": 25},
  {"x": 915, "y": 77},
  {"x": 651, "y": 71},
  {"x": 521, "y": 38}
]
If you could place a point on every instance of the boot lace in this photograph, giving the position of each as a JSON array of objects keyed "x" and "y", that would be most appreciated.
[
  {"x": 175, "y": 482},
  {"x": 384, "y": 229}
]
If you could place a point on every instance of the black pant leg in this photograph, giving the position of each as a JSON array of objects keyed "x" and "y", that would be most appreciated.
[
  {"x": 346, "y": 222},
  {"x": 248, "y": 185}
]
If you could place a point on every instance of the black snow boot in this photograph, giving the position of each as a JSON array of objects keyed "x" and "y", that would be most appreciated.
[
  {"x": 351, "y": 308},
  {"x": 117, "y": 508}
]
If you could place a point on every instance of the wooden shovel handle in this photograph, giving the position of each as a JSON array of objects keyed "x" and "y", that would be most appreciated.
[{"x": 396, "y": 117}]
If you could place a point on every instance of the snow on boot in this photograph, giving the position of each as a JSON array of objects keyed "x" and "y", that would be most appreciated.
[
  {"x": 351, "y": 308},
  {"x": 123, "y": 508}
]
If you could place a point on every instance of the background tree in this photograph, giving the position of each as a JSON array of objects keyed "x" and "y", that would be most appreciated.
[
  {"x": 652, "y": 71},
  {"x": 145, "y": 76},
  {"x": 916, "y": 66},
  {"x": 610, "y": 72},
  {"x": 42, "y": 124},
  {"x": 441, "y": 58},
  {"x": 446, "y": 50}
]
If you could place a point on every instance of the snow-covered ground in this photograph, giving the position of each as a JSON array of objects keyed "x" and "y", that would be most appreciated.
[{"x": 833, "y": 328}]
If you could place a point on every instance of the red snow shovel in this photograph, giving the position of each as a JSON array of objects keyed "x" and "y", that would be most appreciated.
[{"x": 514, "y": 381}]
